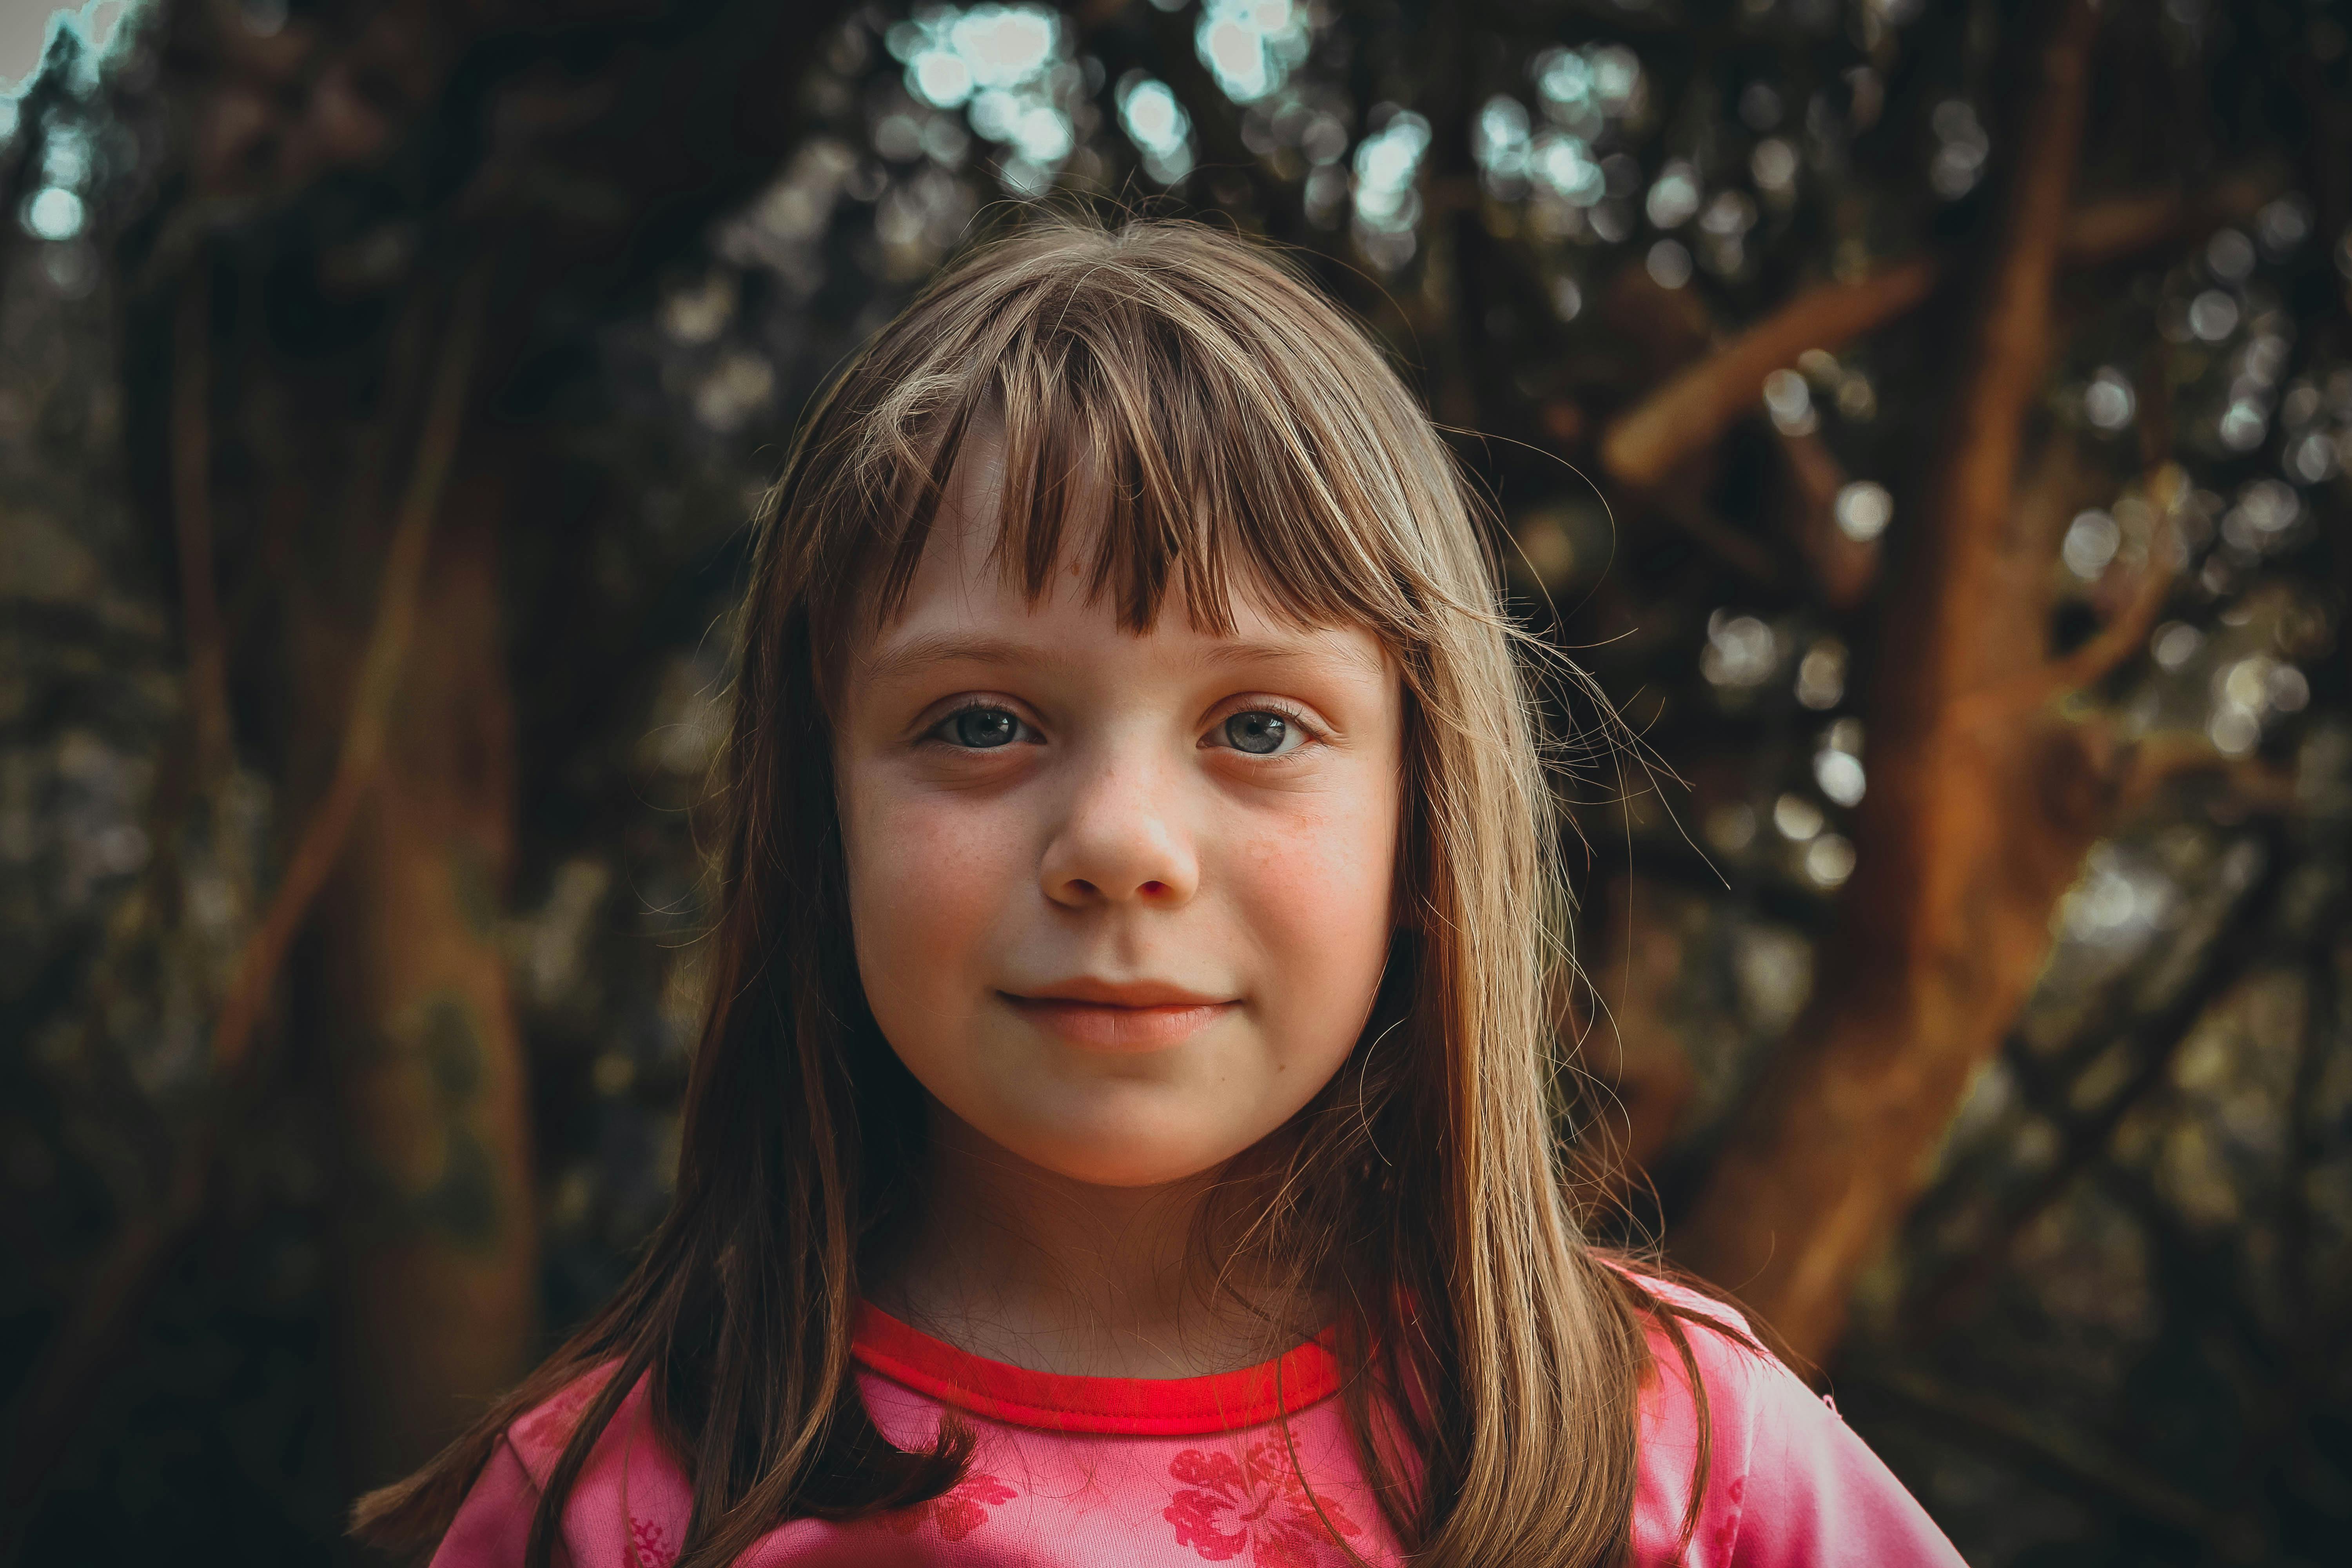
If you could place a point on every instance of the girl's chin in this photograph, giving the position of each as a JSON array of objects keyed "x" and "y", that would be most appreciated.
[
  {"x": 1129, "y": 1122},
  {"x": 1121, "y": 1157},
  {"x": 1121, "y": 1168}
]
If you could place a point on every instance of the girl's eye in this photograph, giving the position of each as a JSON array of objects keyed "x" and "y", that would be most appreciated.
[
  {"x": 1261, "y": 733},
  {"x": 982, "y": 728}
]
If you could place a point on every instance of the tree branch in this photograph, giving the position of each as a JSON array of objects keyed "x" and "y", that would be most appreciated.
[
  {"x": 2105, "y": 652},
  {"x": 2128, "y": 226},
  {"x": 2102, "y": 653},
  {"x": 321, "y": 841},
  {"x": 1693, "y": 410}
]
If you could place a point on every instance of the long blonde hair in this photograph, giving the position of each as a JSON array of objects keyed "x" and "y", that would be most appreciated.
[{"x": 1254, "y": 436}]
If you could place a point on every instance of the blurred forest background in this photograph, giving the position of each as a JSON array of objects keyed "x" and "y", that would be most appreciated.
[{"x": 1930, "y": 419}]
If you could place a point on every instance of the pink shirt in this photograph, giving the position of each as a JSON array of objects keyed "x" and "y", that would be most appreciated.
[{"x": 1170, "y": 1473}]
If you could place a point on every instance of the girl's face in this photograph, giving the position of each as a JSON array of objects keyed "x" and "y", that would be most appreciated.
[{"x": 1120, "y": 902}]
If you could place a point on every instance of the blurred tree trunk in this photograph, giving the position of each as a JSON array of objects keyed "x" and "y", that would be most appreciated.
[
  {"x": 437, "y": 1257},
  {"x": 1982, "y": 802}
]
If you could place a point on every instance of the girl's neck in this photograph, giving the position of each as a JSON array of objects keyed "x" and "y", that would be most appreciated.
[{"x": 1013, "y": 1262}]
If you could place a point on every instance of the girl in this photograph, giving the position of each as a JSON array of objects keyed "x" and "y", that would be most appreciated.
[{"x": 1122, "y": 1129}]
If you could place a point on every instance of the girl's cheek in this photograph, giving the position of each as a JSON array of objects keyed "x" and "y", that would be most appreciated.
[
  {"x": 1318, "y": 889},
  {"x": 1322, "y": 860},
  {"x": 931, "y": 872}
]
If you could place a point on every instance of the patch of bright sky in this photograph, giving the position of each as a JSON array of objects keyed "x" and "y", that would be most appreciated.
[
  {"x": 54, "y": 210},
  {"x": 1580, "y": 92},
  {"x": 1250, "y": 46},
  {"x": 1007, "y": 67},
  {"x": 1156, "y": 122},
  {"x": 26, "y": 27},
  {"x": 1386, "y": 164}
]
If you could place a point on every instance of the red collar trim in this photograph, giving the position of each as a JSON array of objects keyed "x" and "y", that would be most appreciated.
[{"x": 1126, "y": 1406}]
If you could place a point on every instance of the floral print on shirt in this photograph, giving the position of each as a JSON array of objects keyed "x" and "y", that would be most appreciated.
[
  {"x": 958, "y": 1512},
  {"x": 650, "y": 1544},
  {"x": 548, "y": 1427},
  {"x": 1257, "y": 1504}
]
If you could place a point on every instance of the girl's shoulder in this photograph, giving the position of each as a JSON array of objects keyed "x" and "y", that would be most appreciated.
[
  {"x": 540, "y": 1435},
  {"x": 1730, "y": 1325},
  {"x": 1690, "y": 1332},
  {"x": 629, "y": 1509},
  {"x": 1779, "y": 1477}
]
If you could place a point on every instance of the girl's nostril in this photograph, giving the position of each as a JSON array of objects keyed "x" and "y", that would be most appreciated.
[{"x": 1153, "y": 889}]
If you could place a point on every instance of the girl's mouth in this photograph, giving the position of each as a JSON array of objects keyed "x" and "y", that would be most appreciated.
[{"x": 1149, "y": 1024}]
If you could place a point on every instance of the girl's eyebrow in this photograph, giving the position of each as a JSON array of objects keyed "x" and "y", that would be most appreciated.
[
  {"x": 1307, "y": 649},
  {"x": 923, "y": 651},
  {"x": 913, "y": 654}
]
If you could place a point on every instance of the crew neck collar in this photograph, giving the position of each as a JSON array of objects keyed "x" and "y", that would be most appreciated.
[{"x": 1060, "y": 1402}]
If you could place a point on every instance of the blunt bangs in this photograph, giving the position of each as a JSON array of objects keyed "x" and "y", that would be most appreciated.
[{"x": 1183, "y": 424}]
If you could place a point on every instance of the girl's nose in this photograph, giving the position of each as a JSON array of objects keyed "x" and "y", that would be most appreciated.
[{"x": 1120, "y": 843}]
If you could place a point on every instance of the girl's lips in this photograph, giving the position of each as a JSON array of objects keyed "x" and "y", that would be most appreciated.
[{"x": 1118, "y": 1026}]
